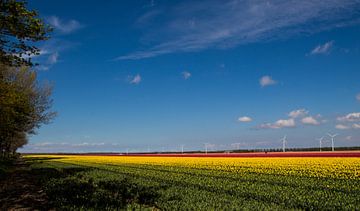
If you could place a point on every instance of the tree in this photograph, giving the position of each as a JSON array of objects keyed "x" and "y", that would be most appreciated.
[
  {"x": 24, "y": 103},
  {"x": 19, "y": 30},
  {"x": 24, "y": 106}
]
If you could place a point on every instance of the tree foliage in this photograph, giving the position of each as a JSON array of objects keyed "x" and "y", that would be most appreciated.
[
  {"x": 24, "y": 106},
  {"x": 20, "y": 29},
  {"x": 24, "y": 103}
]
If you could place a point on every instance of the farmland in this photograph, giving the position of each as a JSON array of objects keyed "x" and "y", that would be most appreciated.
[{"x": 201, "y": 183}]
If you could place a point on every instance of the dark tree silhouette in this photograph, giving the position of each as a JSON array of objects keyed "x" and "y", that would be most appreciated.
[{"x": 20, "y": 29}]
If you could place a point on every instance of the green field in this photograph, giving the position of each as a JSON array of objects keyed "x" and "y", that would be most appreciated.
[{"x": 96, "y": 182}]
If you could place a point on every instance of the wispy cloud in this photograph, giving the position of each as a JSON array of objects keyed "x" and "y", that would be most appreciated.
[
  {"x": 50, "y": 52},
  {"x": 342, "y": 127},
  {"x": 356, "y": 126},
  {"x": 47, "y": 59},
  {"x": 64, "y": 27},
  {"x": 147, "y": 17},
  {"x": 136, "y": 79},
  {"x": 71, "y": 147},
  {"x": 358, "y": 97},
  {"x": 298, "y": 113},
  {"x": 229, "y": 23},
  {"x": 296, "y": 116},
  {"x": 186, "y": 75},
  {"x": 238, "y": 145},
  {"x": 46, "y": 144},
  {"x": 322, "y": 49},
  {"x": 349, "y": 121},
  {"x": 244, "y": 119},
  {"x": 310, "y": 120},
  {"x": 281, "y": 123},
  {"x": 351, "y": 117},
  {"x": 266, "y": 81},
  {"x": 51, "y": 49},
  {"x": 53, "y": 58}
]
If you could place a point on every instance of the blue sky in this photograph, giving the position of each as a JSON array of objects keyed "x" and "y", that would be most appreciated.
[{"x": 154, "y": 75}]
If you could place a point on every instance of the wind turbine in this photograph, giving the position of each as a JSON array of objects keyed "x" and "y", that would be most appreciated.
[
  {"x": 236, "y": 146},
  {"x": 320, "y": 141},
  {"x": 284, "y": 142},
  {"x": 206, "y": 147},
  {"x": 182, "y": 149},
  {"x": 332, "y": 136}
]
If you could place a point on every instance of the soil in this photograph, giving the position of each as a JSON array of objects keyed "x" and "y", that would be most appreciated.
[{"x": 20, "y": 189}]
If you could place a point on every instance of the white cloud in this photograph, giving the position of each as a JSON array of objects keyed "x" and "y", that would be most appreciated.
[
  {"x": 298, "y": 113},
  {"x": 231, "y": 23},
  {"x": 281, "y": 123},
  {"x": 136, "y": 79},
  {"x": 322, "y": 49},
  {"x": 50, "y": 144},
  {"x": 309, "y": 120},
  {"x": 342, "y": 127},
  {"x": 356, "y": 126},
  {"x": 69, "y": 147},
  {"x": 50, "y": 52},
  {"x": 53, "y": 58},
  {"x": 285, "y": 123},
  {"x": 245, "y": 119},
  {"x": 88, "y": 144},
  {"x": 347, "y": 126},
  {"x": 348, "y": 138},
  {"x": 351, "y": 117},
  {"x": 358, "y": 97},
  {"x": 62, "y": 26},
  {"x": 186, "y": 75},
  {"x": 266, "y": 81},
  {"x": 43, "y": 144}
]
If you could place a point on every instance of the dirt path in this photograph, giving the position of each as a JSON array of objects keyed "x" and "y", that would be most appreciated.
[{"x": 21, "y": 190}]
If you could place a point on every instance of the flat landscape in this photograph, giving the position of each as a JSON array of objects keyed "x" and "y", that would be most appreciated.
[
  {"x": 201, "y": 183},
  {"x": 179, "y": 105}
]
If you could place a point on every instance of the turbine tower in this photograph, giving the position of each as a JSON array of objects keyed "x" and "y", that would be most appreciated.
[
  {"x": 206, "y": 148},
  {"x": 182, "y": 149},
  {"x": 332, "y": 136},
  {"x": 236, "y": 146},
  {"x": 284, "y": 142},
  {"x": 320, "y": 141}
]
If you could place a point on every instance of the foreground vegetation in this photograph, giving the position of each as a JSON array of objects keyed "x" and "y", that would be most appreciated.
[{"x": 111, "y": 182}]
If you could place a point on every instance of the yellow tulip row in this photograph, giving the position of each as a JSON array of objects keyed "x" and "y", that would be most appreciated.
[{"x": 341, "y": 168}]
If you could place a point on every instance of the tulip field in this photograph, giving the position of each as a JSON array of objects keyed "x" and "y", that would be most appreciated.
[{"x": 218, "y": 183}]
